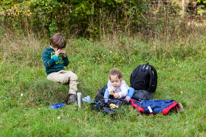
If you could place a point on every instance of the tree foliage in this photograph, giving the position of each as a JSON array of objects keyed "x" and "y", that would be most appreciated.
[
  {"x": 87, "y": 18},
  {"x": 83, "y": 17}
]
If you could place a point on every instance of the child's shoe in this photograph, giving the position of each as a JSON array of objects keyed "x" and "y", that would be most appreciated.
[
  {"x": 180, "y": 108},
  {"x": 126, "y": 100},
  {"x": 72, "y": 99}
]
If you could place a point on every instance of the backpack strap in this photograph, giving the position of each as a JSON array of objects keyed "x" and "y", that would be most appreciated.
[
  {"x": 133, "y": 75},
  {"x": 153, "y": 79}
]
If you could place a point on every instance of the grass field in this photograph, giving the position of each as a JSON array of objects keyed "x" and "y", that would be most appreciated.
[{"x": 26, "y": 94}]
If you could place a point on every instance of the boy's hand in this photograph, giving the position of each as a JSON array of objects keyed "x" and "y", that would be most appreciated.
[
  {"x": 57, "y": 52},
  {"x": 116, "y": 95},
  {"x": 62, "y": 52}
]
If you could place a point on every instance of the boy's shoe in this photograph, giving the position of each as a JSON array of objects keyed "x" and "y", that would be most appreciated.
[{"x": 72, "y": 99}]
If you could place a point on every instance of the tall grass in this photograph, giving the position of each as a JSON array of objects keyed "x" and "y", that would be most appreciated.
[{"x": 26, "y": 94}]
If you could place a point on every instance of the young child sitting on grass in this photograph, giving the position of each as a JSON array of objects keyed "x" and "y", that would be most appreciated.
[
  {"x": 118, "y": 87},
  {"x": 54, "y": 59}
]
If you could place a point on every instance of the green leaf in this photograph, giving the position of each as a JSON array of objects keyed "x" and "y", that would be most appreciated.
[{"x": 88, "y": 12}]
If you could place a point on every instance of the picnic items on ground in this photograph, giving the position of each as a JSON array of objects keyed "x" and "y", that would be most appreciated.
[
  {"x": 57, "y": 105},
  {"x": 87, "y": 99},
  {"x": 107, "y": 106},
  {"x": 154, "y": 107},
  {"x": 79, "y": 99},
  {"x": 144, "y": 80},
  {"x": 144, "y": 77},
  {"x": 142, "y": 94}
]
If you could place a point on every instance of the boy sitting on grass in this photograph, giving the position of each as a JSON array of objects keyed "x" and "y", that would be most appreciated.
[{"x": 54, "y": 59}]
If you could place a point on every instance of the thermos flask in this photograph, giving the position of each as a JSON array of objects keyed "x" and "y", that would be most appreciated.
[{"x": 79, "y": 99}]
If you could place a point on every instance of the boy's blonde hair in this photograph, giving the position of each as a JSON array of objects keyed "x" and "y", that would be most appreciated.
[
  {"x": 117, "y": 72},
  {"x": 58, "y": 40}
]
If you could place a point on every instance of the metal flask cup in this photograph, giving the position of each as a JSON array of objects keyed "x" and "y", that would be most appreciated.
[{"x": 79, "y": 99}]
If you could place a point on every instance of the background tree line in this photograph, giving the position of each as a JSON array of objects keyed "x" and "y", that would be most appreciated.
[{"x": 88, "y": 18}]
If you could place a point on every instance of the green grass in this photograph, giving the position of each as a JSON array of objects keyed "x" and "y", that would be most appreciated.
[{"x": 26, "y": 94}]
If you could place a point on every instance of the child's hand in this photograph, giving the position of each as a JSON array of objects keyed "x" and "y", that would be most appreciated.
[
  {"x": 62, "y": 52},
  {"x": 116, "y": 95},
  {"x": 57, "y": 52},
  {"x": 111, "y": 93}
]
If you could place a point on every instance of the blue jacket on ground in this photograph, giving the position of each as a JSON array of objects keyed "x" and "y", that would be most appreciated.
[{"x": 154, "y": 106}]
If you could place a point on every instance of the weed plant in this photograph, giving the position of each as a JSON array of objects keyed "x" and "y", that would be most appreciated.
[{"x": 26, "y": 94}]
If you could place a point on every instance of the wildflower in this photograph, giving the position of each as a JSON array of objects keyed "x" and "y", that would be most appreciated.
[{"x": 22, "y": 94}]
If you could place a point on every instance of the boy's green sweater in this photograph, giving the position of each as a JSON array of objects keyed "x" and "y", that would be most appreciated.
[{"x": 49, "y": 62}]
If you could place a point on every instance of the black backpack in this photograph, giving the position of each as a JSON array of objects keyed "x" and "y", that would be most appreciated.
[{"x": 144, "y": 77}]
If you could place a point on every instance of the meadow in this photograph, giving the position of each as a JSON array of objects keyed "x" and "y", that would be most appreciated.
[{"x": 26, "y": 94}]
